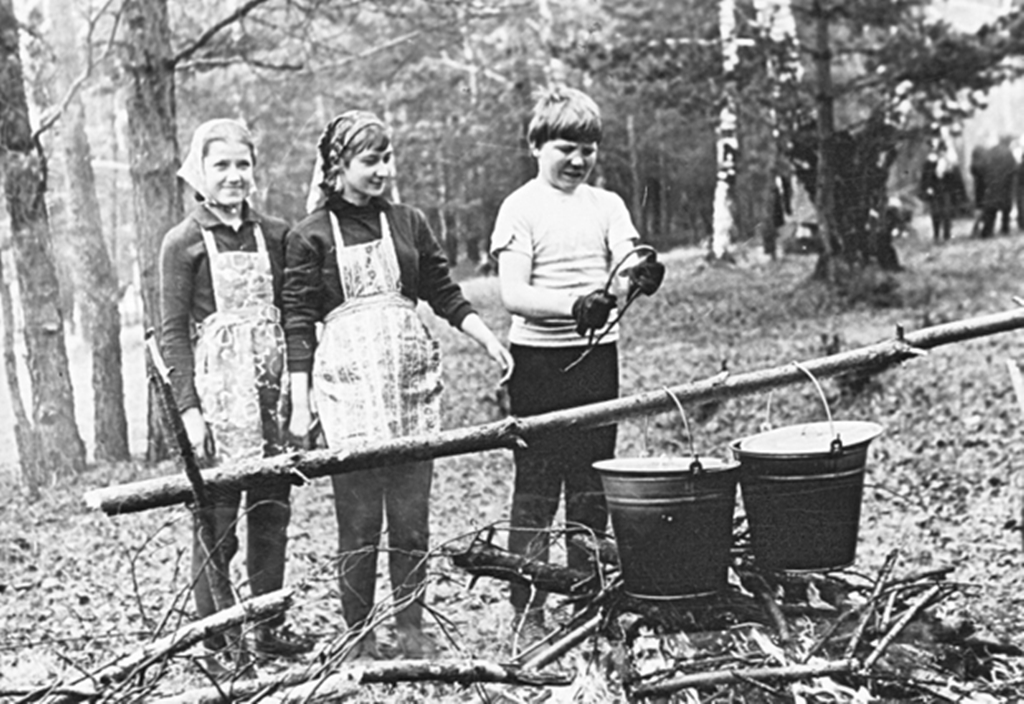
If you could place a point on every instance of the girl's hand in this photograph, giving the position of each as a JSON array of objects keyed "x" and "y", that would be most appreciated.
[
  {"x": 297, "y": 432},
  {"x": 503, "y": 357},
  {"x": 298, "y": 427},
  {"x": 474, "y": 326},
  {"x": 195, "y": 429}
]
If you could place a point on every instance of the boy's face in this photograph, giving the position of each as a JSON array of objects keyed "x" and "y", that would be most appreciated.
[{"x": 565, "y": 164}]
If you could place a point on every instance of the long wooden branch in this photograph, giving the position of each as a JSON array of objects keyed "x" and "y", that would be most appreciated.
[
  {"x": 218, "y": 574},
  {"x": 302, "y": 686},
  {"x": 513, "y": 431}
]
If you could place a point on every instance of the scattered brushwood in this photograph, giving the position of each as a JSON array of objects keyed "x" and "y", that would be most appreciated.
[
  {"x": 137, "y": 672},
  {"x": 823, "y": 636},
  {"x": 309, "y": 685},
  {"x": 329, "y": 676}
]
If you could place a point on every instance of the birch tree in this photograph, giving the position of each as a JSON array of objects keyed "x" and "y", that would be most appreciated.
[{"x": 728, "y": 145}]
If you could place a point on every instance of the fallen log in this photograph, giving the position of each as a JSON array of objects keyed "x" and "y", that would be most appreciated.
[
  {"x": 252, "y": 610},
  {"x": 306, "y": 686},
  {"x": 515, "y": 431}
]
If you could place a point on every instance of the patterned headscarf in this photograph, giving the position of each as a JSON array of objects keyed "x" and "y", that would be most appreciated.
[
  {"x": 339, "y": 134},
  {"x": 191, "y": 171}
]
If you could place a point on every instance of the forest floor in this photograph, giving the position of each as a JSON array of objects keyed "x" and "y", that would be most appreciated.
[{"x": 944, "y": 483}]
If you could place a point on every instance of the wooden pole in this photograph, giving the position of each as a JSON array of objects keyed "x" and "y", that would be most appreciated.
[
  {"x": 215, "y": 566},
  {"x": 514, "y": 431}
]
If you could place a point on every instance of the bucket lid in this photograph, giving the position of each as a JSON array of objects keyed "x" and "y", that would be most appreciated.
[
  {"x": 663, "y": 465},
  {"x": 809, "y": 438}
]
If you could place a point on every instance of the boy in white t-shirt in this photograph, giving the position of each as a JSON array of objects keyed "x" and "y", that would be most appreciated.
[{"x": 557, "y": 240}]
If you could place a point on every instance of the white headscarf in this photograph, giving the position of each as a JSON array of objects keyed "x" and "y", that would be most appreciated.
[
  {"x": 315, "y": 197},
  {"x": 191, "y": 171}
]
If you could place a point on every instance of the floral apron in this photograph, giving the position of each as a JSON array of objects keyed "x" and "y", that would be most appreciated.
[
  {"x": 377, "y": 373},
  {"x": 240, "y": 355}
]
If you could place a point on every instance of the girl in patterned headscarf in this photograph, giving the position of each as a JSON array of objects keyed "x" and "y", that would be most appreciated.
[
  {"x": 360, "y": 263},
  {"x": 221, "y": 271}
]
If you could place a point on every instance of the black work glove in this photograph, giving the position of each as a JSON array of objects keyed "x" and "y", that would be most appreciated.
[
  {"x": 646, "y": 276},
  {"x": 592, "y": 310}
]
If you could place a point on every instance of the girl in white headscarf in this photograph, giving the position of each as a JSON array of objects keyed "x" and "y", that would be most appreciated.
[
  {"x": 359, "y": 263},
  {"x": 221, "y": 271}
]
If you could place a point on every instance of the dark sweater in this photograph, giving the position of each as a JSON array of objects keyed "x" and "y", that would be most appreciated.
[
  {"x": 186, "y": 291},
  {"x": 312, "y": 288}
]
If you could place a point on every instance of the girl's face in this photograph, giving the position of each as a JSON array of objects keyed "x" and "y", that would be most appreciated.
[
  {"x": 366, "y": 175},
  {"x": 227, "y": 173},
  {"x": 565, "y": 164}
]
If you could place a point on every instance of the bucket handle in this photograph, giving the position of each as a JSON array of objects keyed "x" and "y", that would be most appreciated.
[
  {"x": 640, "y": 248},
  {"x": 837, "y": 443},
  {"x": 696, "y": 467}
]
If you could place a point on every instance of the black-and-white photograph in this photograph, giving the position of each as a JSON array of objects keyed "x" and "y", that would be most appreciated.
[{"x": 512, "y": 351}]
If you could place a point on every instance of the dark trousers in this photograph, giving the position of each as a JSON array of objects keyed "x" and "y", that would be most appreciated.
[
  {"x": 361, "y": 499},
  {"x": 988, "y": 220},
  {"x": 267, "y": 511},
  {"x": 942, "y": 210},
  {"x": 564, "y": 460}
]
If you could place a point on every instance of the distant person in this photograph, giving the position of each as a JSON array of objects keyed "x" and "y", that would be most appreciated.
[
  {"x": 1018, "y": 154},
  {"x": 556, "y": 240},
  {"x": 994, "y": 173},
  {"x": 782, "y": 208},
  {"x": 221, "y": 271},
  {"x": 359, "y": 264},
  {"x": 940, "y": 188}
]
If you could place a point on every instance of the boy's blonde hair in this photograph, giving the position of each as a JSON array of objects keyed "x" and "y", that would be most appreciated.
[{"x": 564, "y": 113}]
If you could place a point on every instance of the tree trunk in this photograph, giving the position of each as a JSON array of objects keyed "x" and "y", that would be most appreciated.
[
  {"x": 724, "y": 220},
  {"x": 153, "y": 158},
  {"x": 635, "y": 181},
  {"x": 92, "y": 269},
  {"x": 775, "y": 20},
  {"x": 25, "y": 438},
  {"x": 62, "y": 452},
  {"x": 824, "y": 203}
]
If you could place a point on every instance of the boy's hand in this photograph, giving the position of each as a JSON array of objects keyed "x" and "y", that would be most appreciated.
[
  {"x": 592, "y": 310},
  {"x": 646, "y": 276}
]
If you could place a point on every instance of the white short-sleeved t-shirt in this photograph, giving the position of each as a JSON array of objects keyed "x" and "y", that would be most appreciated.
[{"x": 570, "y": 239}]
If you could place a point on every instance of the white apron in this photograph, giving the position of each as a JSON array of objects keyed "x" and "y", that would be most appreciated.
[
  {"x": 240, "y": 354},
  {"x": 377, "y": 373}
]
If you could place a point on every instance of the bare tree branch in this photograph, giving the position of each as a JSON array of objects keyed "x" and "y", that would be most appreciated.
[
  {"x": 209, "y": 34},
  {"x": 374, "y": 50},
  {"x": 54, "y": 113}
]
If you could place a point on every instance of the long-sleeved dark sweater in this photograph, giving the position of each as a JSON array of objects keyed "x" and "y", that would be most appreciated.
[
  {"x": 312, "y": 288},
  {"x": 186, "y": 290}
]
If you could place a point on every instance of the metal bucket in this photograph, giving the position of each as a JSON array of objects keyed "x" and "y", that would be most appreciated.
[
  {"x": 802, "y": 488},
  {"x": 672, "y": 519}
]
